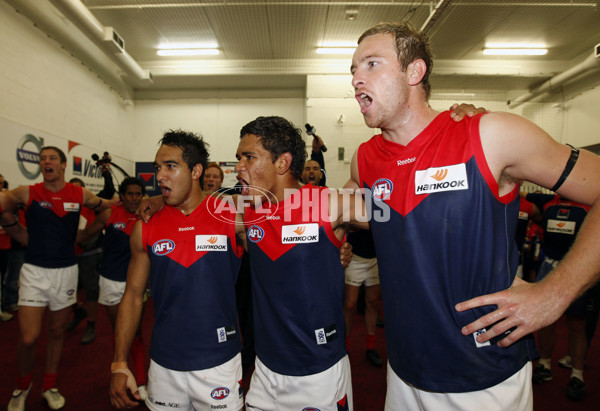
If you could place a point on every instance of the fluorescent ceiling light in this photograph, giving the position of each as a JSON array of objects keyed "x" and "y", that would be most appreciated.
[
  {"x": 167, "y": 46},
  {"x": 188, "y": 52},
  {"x": 515, "y": 45},
  {"x": 335, "y": 50},
  {"x": 344, "y": 44},
  {"x": 515, "y": 52}
]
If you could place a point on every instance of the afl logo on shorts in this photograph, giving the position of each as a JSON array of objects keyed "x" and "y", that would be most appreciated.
[
  {"x": 220, "y": 393},
  {"x": 119, "y": 226},
  {"x": 163, "y": 247},
  {"x": 310, "y": 409},
  {"x": 382, "y": 189},
  {"x": 255, "y": 233}
]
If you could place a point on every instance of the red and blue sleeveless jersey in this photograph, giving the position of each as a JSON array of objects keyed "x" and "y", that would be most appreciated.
[
  {"x": 52, "y": 222},
  {"x": 194, "y": 262},
  {"x": 443, "y": 235},
  {"x": 297, "y": 284},
  {"x": 562, "y": 221},
  {"x": 116, "y": 251}
]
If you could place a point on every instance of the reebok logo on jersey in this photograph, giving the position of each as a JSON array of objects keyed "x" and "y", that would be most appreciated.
[
  {"x": 211, "y": 242},
  {"x": 561, "y": 227},
  {"x": 163, "y": 247},
  {"x": 186, "y": 228},
  {"x": 405, "y": 162},
  {"x": 326, "y": 335},
  {"x": 300, "y": 233},
  {"x": 225, "y": 334},
  {"x": 438, "y": 179},
  {"x": 382, "y": 189}
]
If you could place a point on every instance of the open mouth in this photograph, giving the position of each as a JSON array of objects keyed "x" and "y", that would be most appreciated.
[
  {"x": 364, "y": 100},
  {"x": 165, "y": 191},
  {"x": 245, "y": 186}
]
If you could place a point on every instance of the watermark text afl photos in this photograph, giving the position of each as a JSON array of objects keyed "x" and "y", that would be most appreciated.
[{"x": 314, "y": 203}]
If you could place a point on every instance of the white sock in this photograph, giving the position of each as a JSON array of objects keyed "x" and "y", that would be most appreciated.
[
  {"x": 577, "y": 373},
  {"x": 546, "y": 362}
]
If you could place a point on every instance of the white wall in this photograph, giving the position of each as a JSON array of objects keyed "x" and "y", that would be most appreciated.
[
  {"x": 218, "y": 120},
  {"x": 47, "y": 91},
  {"x": 582, "y": 123}
]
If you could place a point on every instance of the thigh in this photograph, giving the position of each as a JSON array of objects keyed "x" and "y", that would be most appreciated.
[{"x": 167, "y": 389}]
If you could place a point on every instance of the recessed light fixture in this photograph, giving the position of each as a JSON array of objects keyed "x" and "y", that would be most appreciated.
[
  {"x": 515, "y": 49},
  {"x": 337, "y": 47},
  {"x": 188, "y": 49},
  {"x": 188, "y": 52}
]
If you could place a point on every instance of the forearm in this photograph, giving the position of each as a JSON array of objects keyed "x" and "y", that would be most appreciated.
[{"x": 128, "y": 318}]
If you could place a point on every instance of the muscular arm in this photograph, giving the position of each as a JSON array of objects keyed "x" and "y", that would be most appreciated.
[
  {"x": 128, "y": 317},
  {"x": 95, "y": 203},
  {"x": 517, "y": 150}
]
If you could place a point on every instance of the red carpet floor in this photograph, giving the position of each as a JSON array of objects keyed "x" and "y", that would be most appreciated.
[{"x": 84, "y": 372}]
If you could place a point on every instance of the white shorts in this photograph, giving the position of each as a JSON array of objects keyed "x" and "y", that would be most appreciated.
[
  {"x": 362, "y": 270},
  {"x": 515, "y": 393},
  {"x": 217, "y": 388},
  {"x": 111, "y": 291},
  {"x": 330, "y": 390},
  {"x": 52, "y": 287}
]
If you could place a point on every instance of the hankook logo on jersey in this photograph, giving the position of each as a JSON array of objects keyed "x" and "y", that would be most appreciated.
[
  {"x": 71, "y": 206},
  {"x": 561, "y": 227},
  {"x": 28, "y": 156},
  {"x": 211, "y": 242},
  {"x": 163, "y": 247},
  {"x": 382, "y": 189},
  {"x": 255, "y": 233},
  {"x": 438, "y": 179},
  {"x": 300, "y": 233}
]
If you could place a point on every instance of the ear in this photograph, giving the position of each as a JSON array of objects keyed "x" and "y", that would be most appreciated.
[
  {"x": 283, "y": 163},
  {"x": 197, "y": 171},
  {"x": 416, "y": 71}
]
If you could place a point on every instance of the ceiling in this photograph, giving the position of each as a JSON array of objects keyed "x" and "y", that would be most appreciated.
[{"x": 270, "y": 44}]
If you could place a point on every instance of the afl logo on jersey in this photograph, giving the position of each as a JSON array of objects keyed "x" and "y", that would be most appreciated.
[
  {"x": 45, "y": 204},
  {"x": 163, "y": 247},
  {"x": 382, "y": 189},
  {"x": 119, "y": 226},
  {"x": 310, "y": 409},
  {"x": 220, "y": 393},
  {"x": 255, "y": 233}
]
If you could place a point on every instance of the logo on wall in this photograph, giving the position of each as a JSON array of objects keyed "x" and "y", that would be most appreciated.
[
  {"x": 149, "y": 180},
  {"x": 77, "y": 162},
  {"x": 28, "y": 155}
]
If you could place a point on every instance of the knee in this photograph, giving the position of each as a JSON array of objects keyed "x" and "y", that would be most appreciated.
[{"x": 29, "y": 339}]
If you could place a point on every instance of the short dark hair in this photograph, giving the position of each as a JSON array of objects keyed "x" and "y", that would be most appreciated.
[
  {"x": 411, "y": 45},
  {"x": 193, "y": 147},
  {"x": 131, "y": 181},
  {"x": 278, "y": 135},
  {"x": 77, "y": 180},
  {"x": 61, "y": 154}
]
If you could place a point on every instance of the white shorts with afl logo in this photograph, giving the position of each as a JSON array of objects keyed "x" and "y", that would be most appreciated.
[
  {"x": 362, "y": 271},
  {"x": 217, "y": 388},
  {"x": 111, "y": 291},
  {"x": 55, "y": 288}
]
